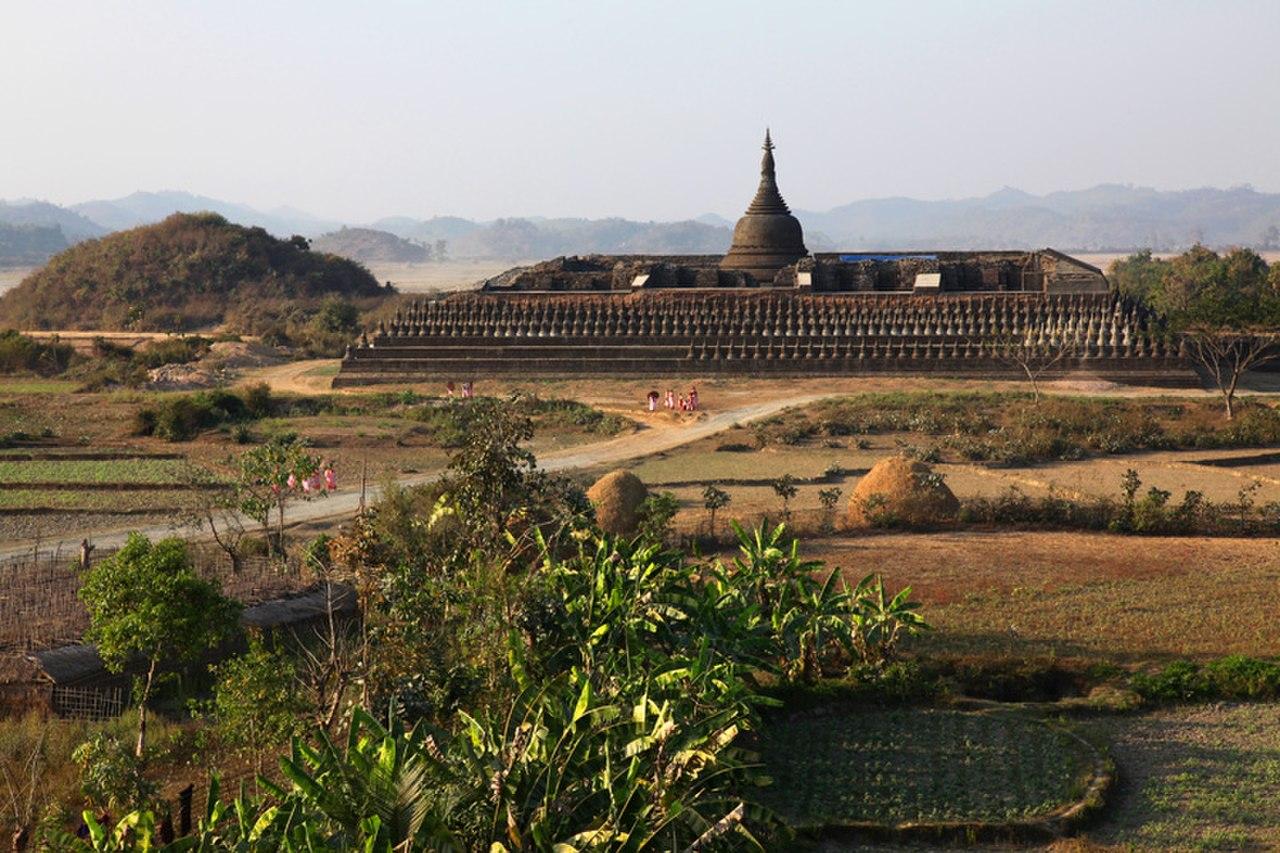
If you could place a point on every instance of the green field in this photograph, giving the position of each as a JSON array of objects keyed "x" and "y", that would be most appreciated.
[
  {"x": 73, "y": 471},
  {"x": 79, "y": 500},
  {"x": 1199, "y": 777},
  {"x": 36, "y": 385},
  {"x": 920, "y": 765}
]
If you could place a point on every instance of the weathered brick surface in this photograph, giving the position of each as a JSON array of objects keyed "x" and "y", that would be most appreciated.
[{"x": 760, "y": 331}]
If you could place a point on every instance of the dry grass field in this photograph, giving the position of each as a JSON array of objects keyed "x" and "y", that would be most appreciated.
[
  {"x": 746, "y": 474},
  {"x": 1084, "y": 597}
]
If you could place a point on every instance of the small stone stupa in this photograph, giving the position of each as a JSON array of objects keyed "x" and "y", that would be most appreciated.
[{"x": 767, "y": 237}]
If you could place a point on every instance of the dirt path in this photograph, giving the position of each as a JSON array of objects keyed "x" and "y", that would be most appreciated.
[
  {"x": 658, "y": 435},
  {"x": 294, "y": 377}
]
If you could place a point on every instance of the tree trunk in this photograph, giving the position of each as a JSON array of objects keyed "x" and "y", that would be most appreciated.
[
  {"x": 280, "y": 532},
  {"x": 141, "y": 747},
  {"x": 1035, "y": 389},
  {"x": 1230, "y": 393}
]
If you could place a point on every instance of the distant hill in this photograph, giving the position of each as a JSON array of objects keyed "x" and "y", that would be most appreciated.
[
  {"x": 190, "y": 271},
  {"x": 448, "y": 228},
  {"x": 1108, "y": 217},
  {"x": 544, "y": 238},
  {"x": 29, "y": 245},
  {"x": 33, "y": 231},
  {"x": 74, "y": 226},
  {"x": 369, "y": 246},
  {"x": 1105, "y": 217},
  {"x": 143, "y": 208}
]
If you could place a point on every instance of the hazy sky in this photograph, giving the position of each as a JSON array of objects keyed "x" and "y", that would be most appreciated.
[{"x": 356, "y": 110}]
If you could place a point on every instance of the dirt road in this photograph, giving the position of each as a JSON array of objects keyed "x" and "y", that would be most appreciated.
[{"x": 656, "y": 436}]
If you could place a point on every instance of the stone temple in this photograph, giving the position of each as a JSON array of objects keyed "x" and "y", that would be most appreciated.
[{"x": 770, "y": 306}]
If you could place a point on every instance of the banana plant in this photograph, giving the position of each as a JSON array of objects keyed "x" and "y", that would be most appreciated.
[
  {"x": 880, "y": 621},
  {"x": 386, "y": 788}
]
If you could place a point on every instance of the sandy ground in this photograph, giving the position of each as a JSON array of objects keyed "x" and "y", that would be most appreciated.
[
  {"x": 315, "y": 377},
  {"x": 442, "y": 276}
]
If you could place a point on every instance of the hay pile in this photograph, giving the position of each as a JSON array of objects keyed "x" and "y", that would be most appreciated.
[
  {"x": 617, "y": 497},
  {"x": 898, "y": 490}
]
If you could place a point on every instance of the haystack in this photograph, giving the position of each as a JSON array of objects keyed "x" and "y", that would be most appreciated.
[
  {"x": 617, "y": 497},
  {"x": 898, "y": 490}
]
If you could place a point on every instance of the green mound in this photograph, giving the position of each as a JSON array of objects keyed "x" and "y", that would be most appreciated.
[{"x": 190, "y": 271}]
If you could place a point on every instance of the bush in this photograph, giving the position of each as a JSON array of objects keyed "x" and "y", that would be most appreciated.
[
  {"x": 1235, "y": 677},
  {"x": 174, "y": 350},
  {"x": 656, "y": 515},
  {"x": 183, "y": 417},
  {"x": 111, "y": 775},
  {"x": 22, "y": 354}
]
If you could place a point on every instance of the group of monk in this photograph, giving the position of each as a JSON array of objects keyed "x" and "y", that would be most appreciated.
[
  {"x": 675, "y": 402},
  {"x": 468, "y": 389}
]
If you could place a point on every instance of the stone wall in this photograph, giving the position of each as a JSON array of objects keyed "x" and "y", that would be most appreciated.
[
  {"x": 760, "y": 331},
  {"x": 961, "y": 272}
]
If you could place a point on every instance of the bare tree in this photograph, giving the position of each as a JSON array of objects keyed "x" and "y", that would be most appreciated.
[
  {"x": 331, "y": 655},
  {"x": 1034, "y": 358},
  {"x": 215, "y": 506},
  {"x": 1227, "y": 354}
]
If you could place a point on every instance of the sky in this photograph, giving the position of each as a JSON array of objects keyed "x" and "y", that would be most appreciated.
[{"x": 646, "y": 110}]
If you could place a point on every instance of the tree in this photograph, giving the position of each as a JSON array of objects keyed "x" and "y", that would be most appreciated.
[
  {"x": 1034, "y": 358},
  {"x": 337, "y": 315},
  {"x": 656, "y": 515},
  {"x": 256, "y": 704},
  {"x": 1137, "y": 276},
  {"x": 145, "y": 601},
  {"x": 785, "y": 488},
  {"x": 1226, "y": 312},
  {"x": 713, "y": 499},
  {"x": 215, "y": 505},
  {"x": 270, "y": 477},
  {"x": 441, "y": 251},
  {"x": 829, "y": 498}
]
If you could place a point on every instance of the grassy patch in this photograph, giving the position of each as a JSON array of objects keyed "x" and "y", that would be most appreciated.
[
  {"x": 1196, "y": 778},
  {"x": 31, "y": 385},
  {"x": 76, "y": 500},
  {"x": 1010, "y": 428},
  {"x": 919, "y": 765},
  {"x": 91, "y": 471}
]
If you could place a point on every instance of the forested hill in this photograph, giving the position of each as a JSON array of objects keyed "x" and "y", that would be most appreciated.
[
  {"x": 190, "y": 271},
  {"x": 27, "y": 245},
  {"x": 369, "y": 246},
  {"x": 547, "y": 238}
]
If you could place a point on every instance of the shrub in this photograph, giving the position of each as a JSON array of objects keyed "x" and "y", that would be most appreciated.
[
  {"x": 174, "y": 350},
  {"x": 22, "y": 354},
  {"x": 182, "y": 417},
  {"x": 655, "y": 516},
  {"x": 1235, "y": 677},
  {"x": 111, "y": 775}
]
